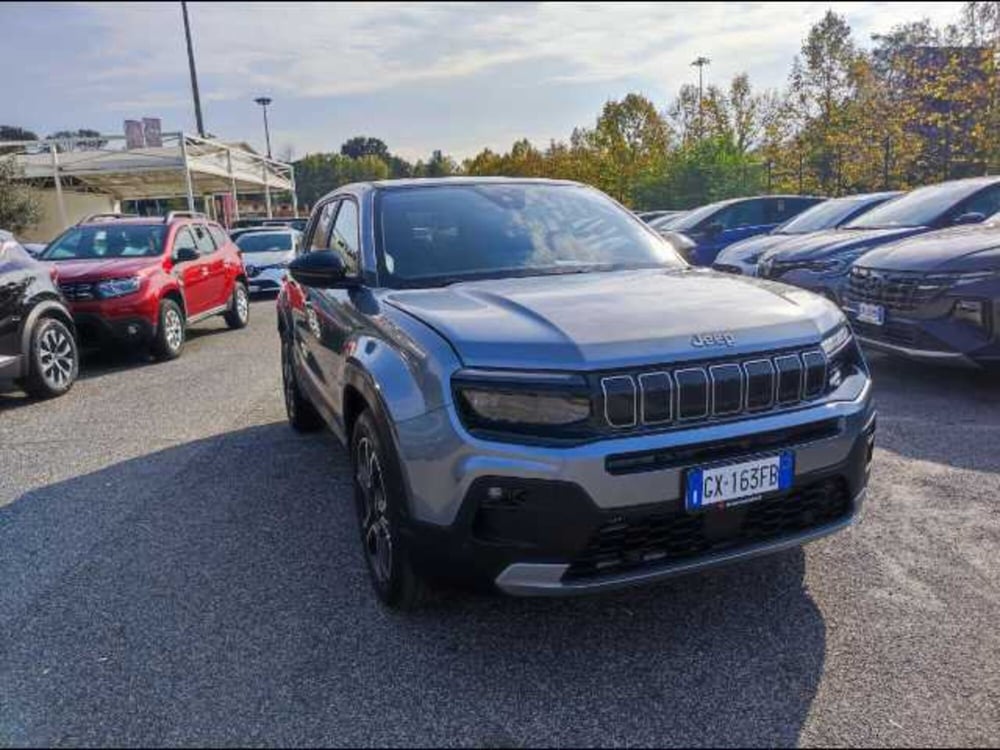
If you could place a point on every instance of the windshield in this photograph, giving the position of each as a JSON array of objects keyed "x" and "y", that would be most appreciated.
[
  {"x": 822, "y": 216},
  {"x": 692, "y": 218},
  {"x": 450, "y": 233},
  {"x": 108, "y": 241},
  {"x": 919, "y": 208},
  {"x": 264, "y": 242}
]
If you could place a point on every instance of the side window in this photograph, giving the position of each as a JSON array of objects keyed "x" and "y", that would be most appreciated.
[
  {"x": 345, "y": 237},
  {"x": 745, "y": 214},
  {"x": 218, "y": 235},
  {"x": 203, "y": 240},
  {"x": 320, "y": 239},
  {"x": 782, "y": 209},
  {"x": 986, "y": 203},
  {"x": 184, "y": 240}
]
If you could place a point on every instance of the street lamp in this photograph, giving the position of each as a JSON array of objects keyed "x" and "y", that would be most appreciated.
[
  {"x": 263, "y": 101},
  {"x": 700, "y": 62}
]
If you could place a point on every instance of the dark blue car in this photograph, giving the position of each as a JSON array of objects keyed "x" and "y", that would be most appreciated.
[
  {"x": 820, "y": 261},
  {"x": 741, "y": 257},
  {"x": 700, "y": 234}
]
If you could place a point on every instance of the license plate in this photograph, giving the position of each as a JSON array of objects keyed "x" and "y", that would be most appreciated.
[
  {"x": 869, "y": 313},
  {"x": 743, "y": 481},
  {"x": 255, "y": 287}
]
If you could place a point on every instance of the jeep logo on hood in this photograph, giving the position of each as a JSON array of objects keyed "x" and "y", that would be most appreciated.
[{"x": 702, "y": 340}]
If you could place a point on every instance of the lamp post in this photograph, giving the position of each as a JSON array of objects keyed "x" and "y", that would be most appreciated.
[
  {"x": 263, "y": 101},
  {"x": 194, "y": 73},
  {"x": 700, "y": 63}
]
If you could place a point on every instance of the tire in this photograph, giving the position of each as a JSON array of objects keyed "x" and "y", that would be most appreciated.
[
  {"x": 53, "y": 360},
  {"x": 302, "y": 415},
  {"x": 238, "y": 314},
  {"x": 171, "y": 332},
  {"x": 379, "y": 498}
]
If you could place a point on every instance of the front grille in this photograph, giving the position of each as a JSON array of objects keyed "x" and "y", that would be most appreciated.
[
  {"x": 78, "y": 291},
  {"x": 713, "y": 390},
  {"x": 897, "y": 292},
  {"x": 627, "y": 541}
]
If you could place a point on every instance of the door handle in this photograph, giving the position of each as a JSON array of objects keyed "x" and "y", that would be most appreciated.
[{"x": 204, "y": 271}]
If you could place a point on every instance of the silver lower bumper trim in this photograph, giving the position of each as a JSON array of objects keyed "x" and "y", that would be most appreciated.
[
  {"x": 924, "y": 355},
  {"x": 545, "y": 579}
]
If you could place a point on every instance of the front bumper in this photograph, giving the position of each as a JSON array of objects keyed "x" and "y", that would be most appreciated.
[
  {"x": 537, "y": 536},
  {"x": 930, "y": 333},
  {"x": 99, "y": 331},
  {"x": 265, "y": 279}
]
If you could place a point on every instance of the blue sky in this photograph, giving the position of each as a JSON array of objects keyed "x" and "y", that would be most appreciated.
[{"x": 458, "y": 77}]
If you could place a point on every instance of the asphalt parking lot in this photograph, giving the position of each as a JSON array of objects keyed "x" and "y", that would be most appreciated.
[{"x": 178, "y": 567}]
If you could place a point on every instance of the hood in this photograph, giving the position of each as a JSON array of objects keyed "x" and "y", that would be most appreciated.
[
  {"x": 966, "y": 248},
  {"x": 620, "y": 319},
  {"x": 832, "y": 242},
  {"x": 259, "y": 260},
  {"x": 745, "y": 250},
  {"x": 94, "y": 269}
]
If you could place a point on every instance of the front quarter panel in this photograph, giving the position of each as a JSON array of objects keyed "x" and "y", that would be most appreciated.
[{"x": 408, "y": 364}]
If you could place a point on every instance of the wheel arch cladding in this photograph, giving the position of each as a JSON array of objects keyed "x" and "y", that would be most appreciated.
[
  {"x": 175, "y": 295},
  {"x": 401, "y": 383},
  {"x": 48, "y": 309}
]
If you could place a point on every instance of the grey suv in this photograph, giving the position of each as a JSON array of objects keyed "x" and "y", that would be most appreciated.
[{"x": 538, "y": 393}]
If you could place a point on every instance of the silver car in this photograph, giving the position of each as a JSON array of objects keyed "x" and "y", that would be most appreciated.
[
  {"x": 539, "y": 394},
  {"x": 266, "y": 255}
]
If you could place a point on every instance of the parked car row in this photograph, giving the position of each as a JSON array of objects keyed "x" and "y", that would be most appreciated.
[
  {"x": 114, "y": 279},
  {"x": 931, "y": 295}
]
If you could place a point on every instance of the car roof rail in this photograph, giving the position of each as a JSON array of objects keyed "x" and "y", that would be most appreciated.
[
  {"x": 106, "y": 217},
  {"x": 183, "y": 215}
]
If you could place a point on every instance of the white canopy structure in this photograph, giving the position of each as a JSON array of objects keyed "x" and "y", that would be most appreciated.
[{"x": 184, "y": 165}]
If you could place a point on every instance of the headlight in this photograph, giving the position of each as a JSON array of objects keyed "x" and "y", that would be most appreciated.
[
  {"x": 118, "y": 287},
  {"x": 521, "y": 402},
  {"x": 836, "y": 341}
]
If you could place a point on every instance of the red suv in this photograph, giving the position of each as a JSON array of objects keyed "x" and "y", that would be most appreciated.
[{"x": 143, "y": 280}]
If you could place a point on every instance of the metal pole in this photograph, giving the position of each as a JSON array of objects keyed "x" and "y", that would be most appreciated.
[
  {"x": 700, "y": 62},
  {"x": 187, "y": 174},
  {"x": 267, "y": 193},
  {"x": 59, "y": 193},
  {"x": 295, "y": 197},
  {"x": 267, "y": 133},
  {"x": 232, "y": 185},
  {"x": 194, "y": 73},
  {"x": 263, "y": 101}
]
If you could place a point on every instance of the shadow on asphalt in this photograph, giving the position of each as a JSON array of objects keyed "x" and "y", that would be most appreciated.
[
  {"x": 944, "y": 415},
  {"x": 215, "y": 593}
]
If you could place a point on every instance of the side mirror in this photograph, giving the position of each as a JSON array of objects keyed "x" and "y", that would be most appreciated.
[
  {"x": 185, "y": 254},
  {"x": 972, "y": 217},
  {"x": 714, "y": 229},
  {"x": 321, "y": 270}
]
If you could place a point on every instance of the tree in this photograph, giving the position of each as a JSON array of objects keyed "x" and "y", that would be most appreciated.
[
  {"x": 19, "y": 207},
  {"x": 360, "y": 145},
  {"x": 92, "y": 142},
  {"x": 631, "y": 140},
  {"x": 15, "y": 133}
]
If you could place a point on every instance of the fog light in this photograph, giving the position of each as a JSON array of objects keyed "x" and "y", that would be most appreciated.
[
  {"x": 132, "y": 329},
  {"x": 971, "y": 311}
]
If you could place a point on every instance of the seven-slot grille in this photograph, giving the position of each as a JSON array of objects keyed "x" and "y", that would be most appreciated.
[
  {"x": 713, "y": 390},
  {"x": 900, "y": 292},
  {"x": 78, "y": 291}
]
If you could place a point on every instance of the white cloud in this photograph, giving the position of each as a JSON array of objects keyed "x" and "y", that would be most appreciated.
[
  {"x": 324, "y": 50},
  {"x": 326, "y": 61}
]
